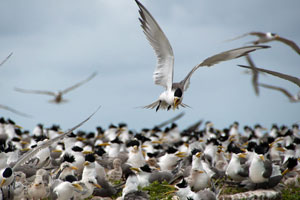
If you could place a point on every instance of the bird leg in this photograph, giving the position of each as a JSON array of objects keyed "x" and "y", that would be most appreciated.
[
  {"x": 169, "y": 107},
  {"x": 158, "y": 105}
]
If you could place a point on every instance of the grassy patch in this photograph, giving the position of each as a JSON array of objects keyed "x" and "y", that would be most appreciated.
[{"x": 157, "y": 191}]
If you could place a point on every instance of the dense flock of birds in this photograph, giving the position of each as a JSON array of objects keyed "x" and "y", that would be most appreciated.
[
  {"x": 118, "y": 162},
  {"x": 49, "y": 163}
]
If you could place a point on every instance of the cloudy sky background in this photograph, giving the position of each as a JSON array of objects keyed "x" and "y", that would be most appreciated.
[{"x": 58, "y": 43}]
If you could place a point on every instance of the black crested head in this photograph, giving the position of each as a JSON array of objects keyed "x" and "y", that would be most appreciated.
[
  {"x": 99, "y": 129},
  {"x": 40, "y": 138},
  {"x": 90, "y": 135},
  {"x": 183, "y": 184},
  {"x": 297, "y": 140},
  {"x": 70, "y": 178},
  {"x": 133, "y": 143},
  {"x": 156, "y": 129},
  {"x": 195, "y": 151},
  {"x": 2, "y": 120},
  {"x": 68, "y": 158},
  {"x": 80, "y": 133},
  {"x": 77, "y": 149},
  {"x": 273, "y": 34},
  {"x": 99, "y": 151},
  {"x": 90, "y": 158},
  {"x": 174, "y": 125},
  {"x": 122, "y": 125},
  {"x": 291, "y": 147},
  {"x": 251, "y": 146},
  {"x": 112, "y": 126},
  {"x": 11, "y": 121},
  {"x": 16, "y": 139},
  {"x": 141, "y": 138},
  {"x": 55, "y": 127},
  {"x": 146, "y": 168},
  {"x": 7, "y": 172},
  {"x": 171, "y": 150},
  {"x": 116, "y": 140},
  {"x": 178, "y": 93},
  {"x": 292, "y": 162},
  {"x": 18, "y": 131},
  {"x": 72, "y": 135},
  {"x": 152, "y": 155},
  {"x": 295, "y": 126}
]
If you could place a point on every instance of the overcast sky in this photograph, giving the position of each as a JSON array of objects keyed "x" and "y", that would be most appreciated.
[{"x": 60, "y": 42}]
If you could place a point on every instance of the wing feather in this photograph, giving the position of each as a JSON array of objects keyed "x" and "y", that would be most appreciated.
[
  {"x": 35, "y": 91},
  {"x": 79, "y": 84},
  {"x": 226, "y": 55},
  {"x": 163, "y": 73},
  {"x": 284, "y": 91},
  {"x": 254, "y": 74},
  {"x": 47, "y": 143},
  {"x": 14, "y": 111},
  {"x": 291, "y": 43},
  {"x": 292, "y": 79}
]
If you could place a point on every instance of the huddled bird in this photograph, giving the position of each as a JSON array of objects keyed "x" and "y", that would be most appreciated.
[
  {"x": 268, "y": 37},
  {"x": 163, "y": 75},
  {"x": 58, "y": 96}
]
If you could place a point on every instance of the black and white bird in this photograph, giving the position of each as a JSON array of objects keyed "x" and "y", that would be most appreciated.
[
  {"x": 268, "y": 37},
  {"x": 163, "y": 75},
  {"x": 58, "y": 96}
]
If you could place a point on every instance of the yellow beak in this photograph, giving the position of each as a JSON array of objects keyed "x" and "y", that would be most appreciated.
[
  {"x": 2, "y": 182},
  {"x": 176, "y": 102},
  {"x": 77, "y": 186}
]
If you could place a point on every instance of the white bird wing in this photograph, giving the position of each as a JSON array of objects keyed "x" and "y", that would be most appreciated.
[
  {"x": 14, "y": 111},
  {"x": 163, "y": 73},
  {"x": 79, "y": 84},
  {"x": 292, "y": 79},
  {"x": 226, "y": 55},
  {"x": 6, "y": 58},
  {"x": 46, "y": 92},
  {"x": 284, "y": 91},
  {"x": 47, "y": 143},
  {"x": 291, "y": 43}
]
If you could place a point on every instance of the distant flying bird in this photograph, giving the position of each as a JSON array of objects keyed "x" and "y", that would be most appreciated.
[
  {"x": 292, "y": 79},
  {"x": 268, "y": 37},
  {"x": 292, "y": 98},
  {"x": 14, "y": 111},
  {"x": 58, "y": 96},
  {"x": 6, "y": 58},
  {"x": 163, "y": 75},
  {"x": 254, "y": 74}
]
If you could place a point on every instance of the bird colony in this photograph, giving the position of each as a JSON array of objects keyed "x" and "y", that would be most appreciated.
[{"x": 115, "y": 162}]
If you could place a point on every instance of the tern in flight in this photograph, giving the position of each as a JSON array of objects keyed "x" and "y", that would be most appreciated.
[
  {"x": 163, "y": 75},
  {"x": 58, "y": 96}
]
